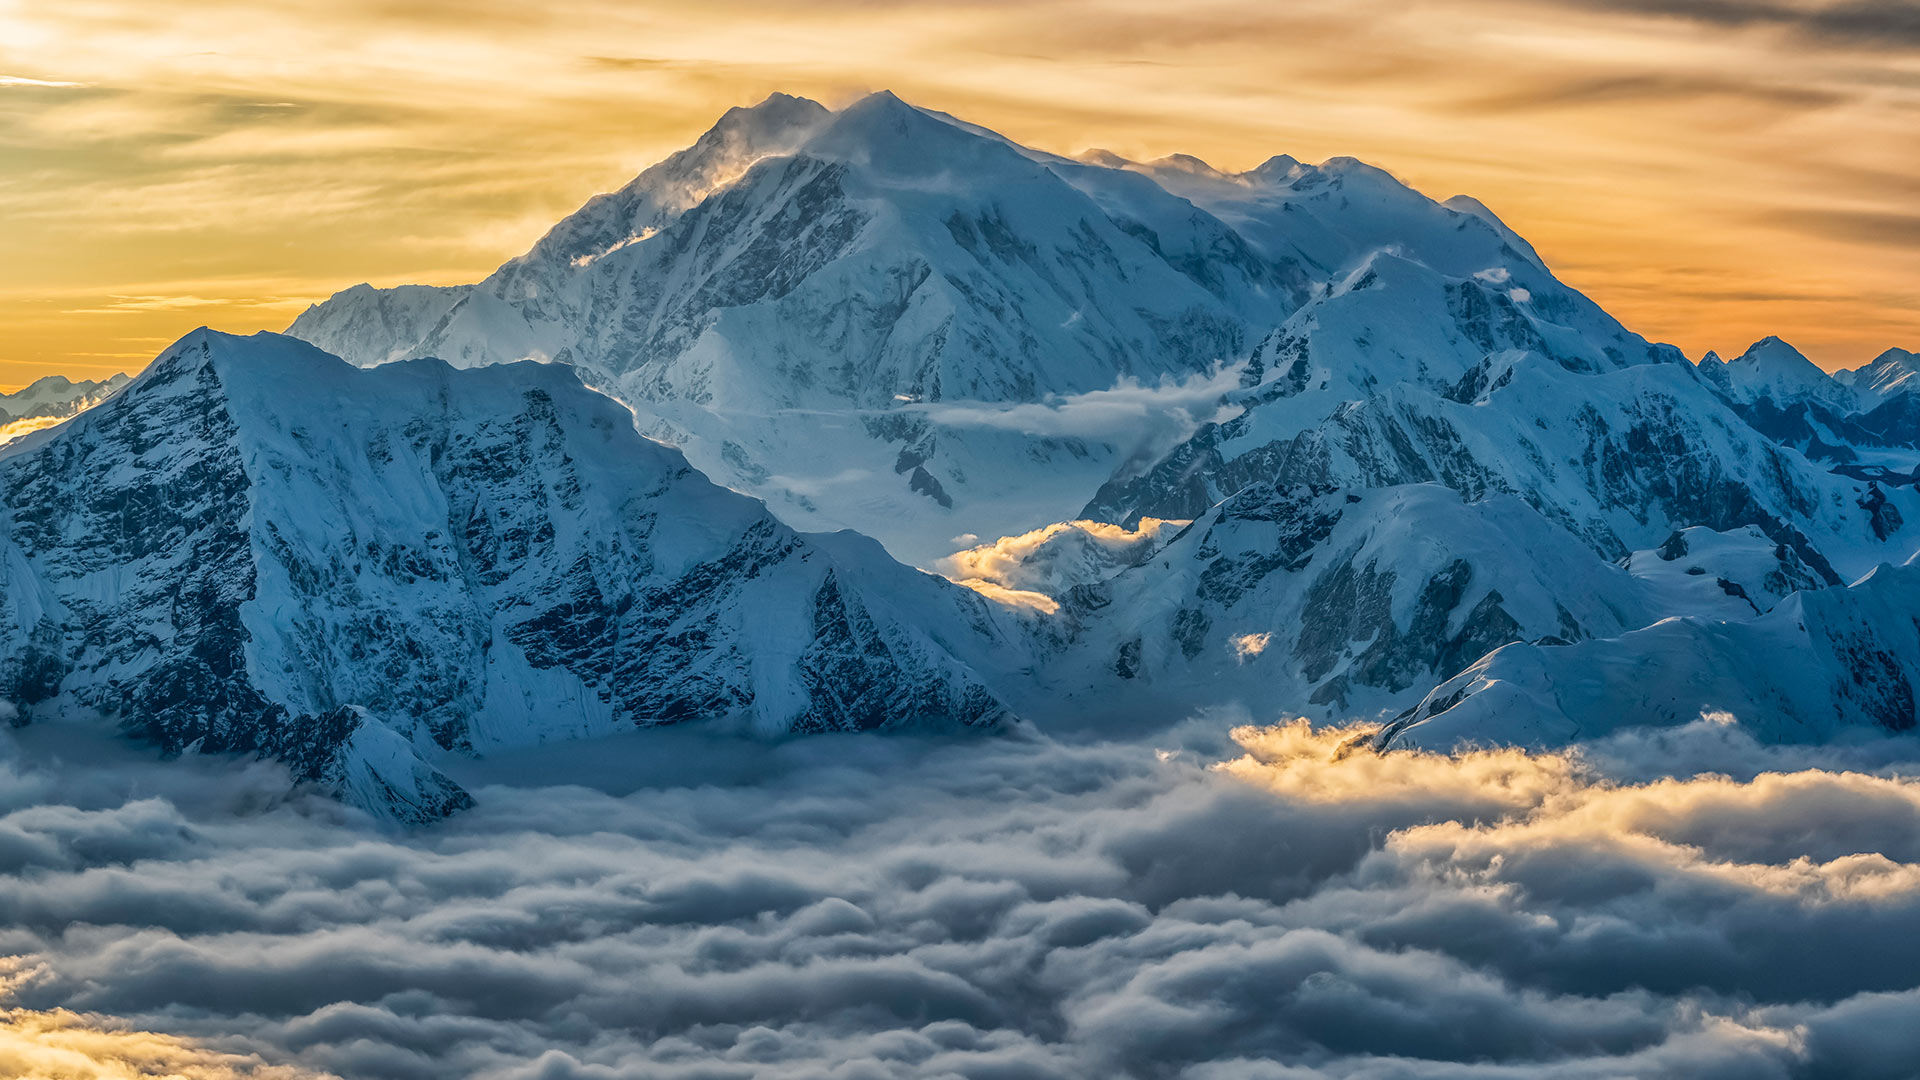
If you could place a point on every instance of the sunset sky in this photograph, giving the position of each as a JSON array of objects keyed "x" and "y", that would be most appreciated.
[{"x": 1712, "y": 171}]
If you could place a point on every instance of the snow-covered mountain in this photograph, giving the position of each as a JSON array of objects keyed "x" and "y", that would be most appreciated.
[
  {"x": 1339, "y": 601},
  {"x": 843, "y": 312},
  {"x": 1820, "y": 665},
  {"x": 1401, "y": 441},
  {"x": 1842, "y": 420},
  {"x": 1892, "y": 373},
  {"x": 1773, "y": 370},
  {"x": 256, "y": 547},
  {"x": 57, "y": 395},
  {"x": 1403, "y": 375},
  {"x": 1524, "y": 466},
  {"x": 1334, "y": 216},
  {"x": 48, "y": 401},
  {"x": 860, "y": 257},
  {"x": 377, "y": 326}
]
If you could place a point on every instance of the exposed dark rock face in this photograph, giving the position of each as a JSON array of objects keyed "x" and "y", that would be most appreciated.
[
  {"x": 1329, "y": 596},
  {"x": 1400, "y": 376},
  {"x": 412, "y": 557}
]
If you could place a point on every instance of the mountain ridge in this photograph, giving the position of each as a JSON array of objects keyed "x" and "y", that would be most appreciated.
[
  {"x": 389, "y": 563},
  {"x": 1299, "y": 436}
]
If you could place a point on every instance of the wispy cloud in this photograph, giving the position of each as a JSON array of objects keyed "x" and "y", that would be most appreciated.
[
  {"x": 130, "y": 304},
  {"x": 1879, "y": 24},
  {"x": 1142, "y": 419},
  {"x": 21, "y": 80}
]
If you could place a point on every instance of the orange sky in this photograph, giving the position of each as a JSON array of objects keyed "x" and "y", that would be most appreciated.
[{"x": 1710, "y": 170}]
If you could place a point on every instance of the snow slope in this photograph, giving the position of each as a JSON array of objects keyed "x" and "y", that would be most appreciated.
[
  {"x": 1335, "y": 601},
  {"x": 256, "y": 547},
  {"x": 1889, "y": 375},
  {"x": 1775, "y": 370},
  {"x": 1724, "y": 575},
  {"x": 1405, "y": 375},
  {"x": 803, "y": 300},
  {"x": 1402, "y": 442},
  {"x": 1819, "y": 666}
]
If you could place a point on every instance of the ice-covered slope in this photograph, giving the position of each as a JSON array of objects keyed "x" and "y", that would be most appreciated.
[
  {"x": 1820, "y": 664},
  {"x": 800, "y": 279},
  {"x": 1894, "y": 372},
  {"x": 1405, "y": 375},
  {"x": 1337, "y": 601},
  {"x": 1774, "y": 370},
  {"x": 369, "y": 326},
  {"x": 1724, "y": 575},
  {"x": 257, "y": 547}
]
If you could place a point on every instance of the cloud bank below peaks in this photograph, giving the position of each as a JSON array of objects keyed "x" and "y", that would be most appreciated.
[{"x": 1270, "y": 903}]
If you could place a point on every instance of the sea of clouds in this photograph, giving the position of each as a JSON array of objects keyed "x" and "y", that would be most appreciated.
[{"x": 1218, "y": 900}]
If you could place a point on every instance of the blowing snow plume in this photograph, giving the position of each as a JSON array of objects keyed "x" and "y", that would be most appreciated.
[{"x": 1273, "y": 904}]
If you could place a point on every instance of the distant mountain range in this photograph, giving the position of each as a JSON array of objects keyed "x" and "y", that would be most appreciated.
[
  {"x": 49, "y": 400},
  {"x": 1300, "y": 438}
]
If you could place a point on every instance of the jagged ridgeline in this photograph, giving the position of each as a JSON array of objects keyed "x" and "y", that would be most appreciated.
[
  {"x": 1425, "y": 446},
  {"x": 1298, "y": 438},
  {"x": 258, "y": 547}
]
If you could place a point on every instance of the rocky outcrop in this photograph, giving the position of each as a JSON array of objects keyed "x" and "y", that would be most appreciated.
[{"x": 259, "y": 549}]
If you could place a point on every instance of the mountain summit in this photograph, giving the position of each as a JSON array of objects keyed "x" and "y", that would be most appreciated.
[
  {"x": 1393, "y": 442},
  {"x": 885, "y": 318}
]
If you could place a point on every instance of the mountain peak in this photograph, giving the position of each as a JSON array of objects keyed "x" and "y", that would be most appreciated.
[
  {"x": 1772, "y": 350},
  {"x": 1276, "y": 169},
  {"x": 1102, "y": 157},
  {"x": 880, "y": 101},
  {"x": 263, "y": 351},
  {"x": 891, "y": 137},
  {"x": 776, "y": 112},
  {"x": 777, "y": 99},
  {"x": 1896, "y": 371},
  {"x": 1189, "y": 164},
  {"x": 1772, "y": 368}
]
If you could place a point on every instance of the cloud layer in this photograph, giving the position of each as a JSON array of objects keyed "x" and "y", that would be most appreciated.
[
  {"x": 1037, "y": 568},
  {"x": 1266, "y": 905}
]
